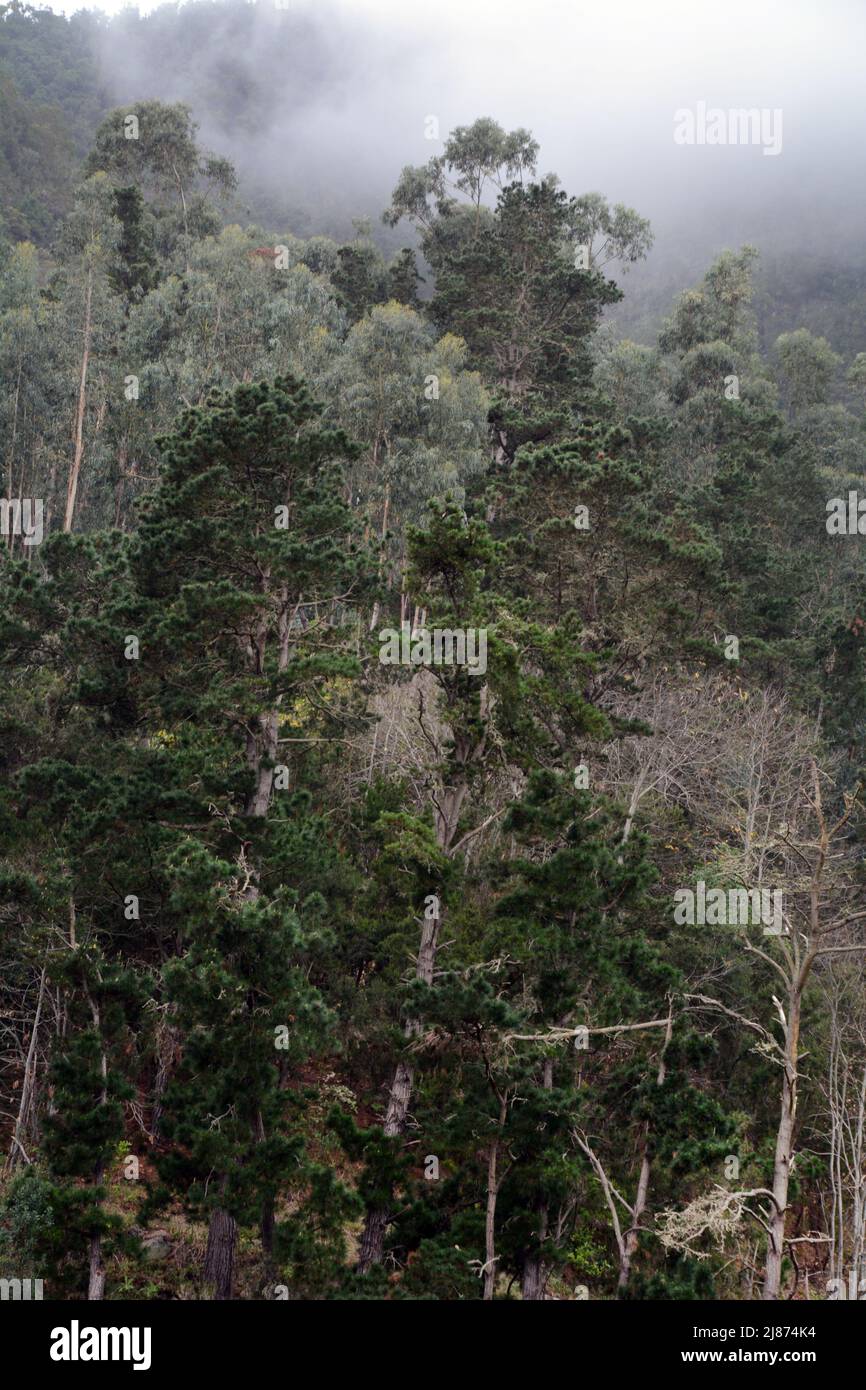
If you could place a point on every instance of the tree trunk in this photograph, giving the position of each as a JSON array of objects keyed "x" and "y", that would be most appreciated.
[
  {"x": 167, "y": 1049},
  {"x": 371, "y": 1246},
  {"x": 385, "y": 512},
  {"x": 261, "y": 756},
  {"x": 220, "y": 1254},
  {"x": 75, "y": 471},
  {"x": 631, "y": 1238},
  {"x": 372, "y": 1243},
  {"x": 490, "y": 1223},
  {"x": 10, "y": 537},
  {"x": 96, "y": 1285},
  {"x": 784, "y": 1153},
  {"x": 27, "y": 1085},
  {"x": 493, "y": 1182},
  {"x": 446, "y": 818},
  {"x": 533, "y": 1278},
  {"x": 179, "y": 182}
]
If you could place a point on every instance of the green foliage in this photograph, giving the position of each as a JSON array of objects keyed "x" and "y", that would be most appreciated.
[
  {"x": 26, "y": 1217},
  {"x": 226, "y": 817}
]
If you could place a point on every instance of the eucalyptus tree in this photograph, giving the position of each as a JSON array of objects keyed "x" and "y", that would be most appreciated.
[
  {"x": 237, "y": 315},
  {"x": 152, "y": 146},
  {"x": 512, "y": 280},
  {"x": 26, "y": 366},
  {"x": 91, "y": 314},
  {"x": 807, "y": 368},
  {"x": 419, "y": 414}
]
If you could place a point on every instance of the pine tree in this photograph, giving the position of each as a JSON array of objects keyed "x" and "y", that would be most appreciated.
[{"x": 247, "y": 583}]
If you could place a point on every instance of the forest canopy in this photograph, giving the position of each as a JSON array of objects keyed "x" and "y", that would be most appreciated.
[{"x": 433, "y": 726}]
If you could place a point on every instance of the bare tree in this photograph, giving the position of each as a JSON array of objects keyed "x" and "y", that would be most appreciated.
[
  {"x": 844, "y": 1092},
  {"x": 810, "y": 854}
]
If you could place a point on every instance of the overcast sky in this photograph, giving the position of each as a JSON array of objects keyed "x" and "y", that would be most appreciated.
[{"x": 598, "y": 84}]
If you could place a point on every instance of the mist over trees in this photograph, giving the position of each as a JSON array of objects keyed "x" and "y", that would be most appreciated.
[{"x": 433, "y": 717}]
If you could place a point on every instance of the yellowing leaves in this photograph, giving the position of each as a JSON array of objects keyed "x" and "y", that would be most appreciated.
[{"x": 301, "y": 712}]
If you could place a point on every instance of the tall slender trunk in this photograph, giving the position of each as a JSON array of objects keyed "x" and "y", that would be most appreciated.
[
  {"x": 857, "y": 1253},
  {"x": 10, "y": 537},
  {"x": 385, "y": 512},
  {"x": 27, "y": 1085},
  {"x": 180, "y": 188},
  {"x": 96, "y": 1284},
  {"x": 167, "y": 1051},
  {"x": 784, "y": 1152},
  {"x": 533, "y": 1279},
  {"x": 492, "y": 1194},
  {"x": 372, "y": 1243},
  {"x": 631, "y": 1238},
  {"x": 75, "y": 471}
]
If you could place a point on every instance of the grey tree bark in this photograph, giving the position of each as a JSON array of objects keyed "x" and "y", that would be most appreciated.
[{"x": 220, "y": 1254}]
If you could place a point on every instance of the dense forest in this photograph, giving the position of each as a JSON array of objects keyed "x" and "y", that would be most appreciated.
[{"x": 433, "y": 801}]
